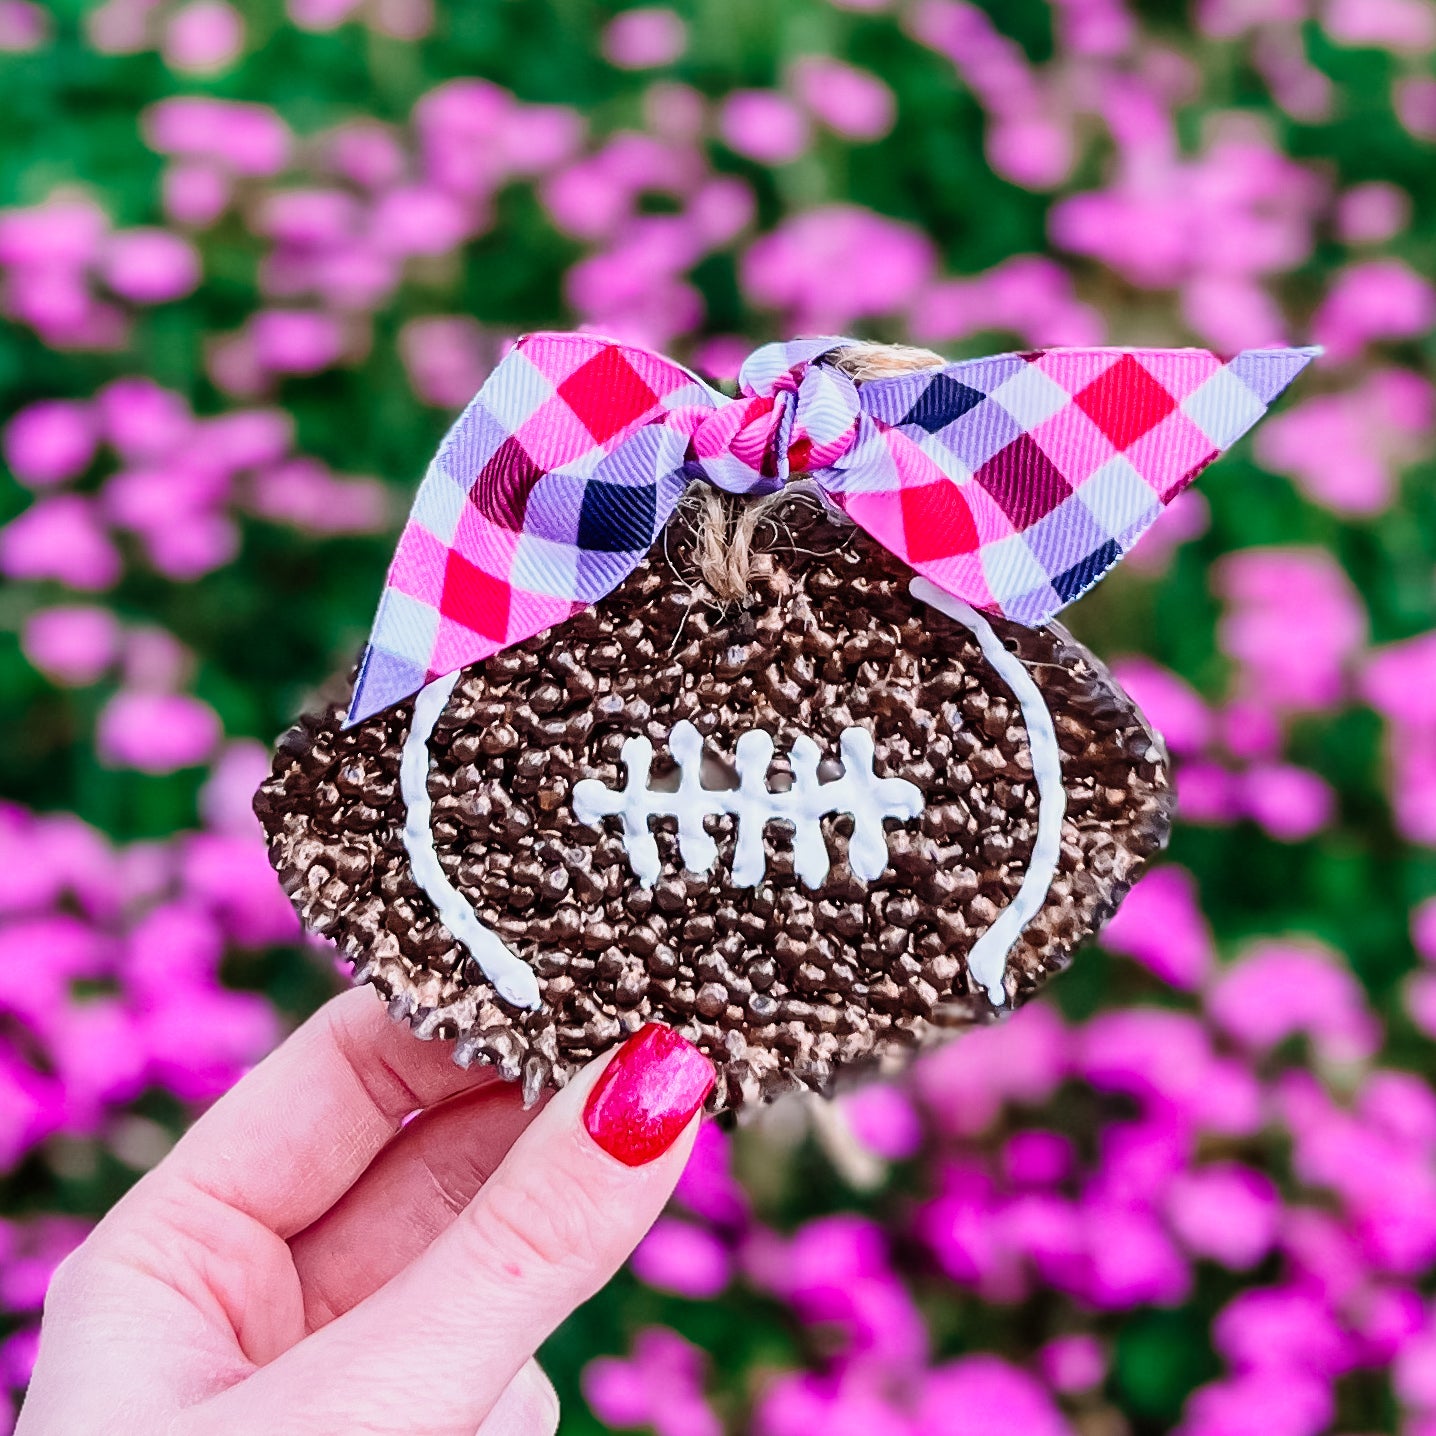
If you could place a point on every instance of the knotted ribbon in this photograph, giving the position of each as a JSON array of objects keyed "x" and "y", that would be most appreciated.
[{"x": 1013, "y": 482}]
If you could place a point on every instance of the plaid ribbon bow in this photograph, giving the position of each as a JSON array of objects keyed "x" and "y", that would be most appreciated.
[{"x": 1013, "y": 482}]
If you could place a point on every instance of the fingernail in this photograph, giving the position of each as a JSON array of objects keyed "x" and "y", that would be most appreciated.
[{"x": 647, "y": 1095}]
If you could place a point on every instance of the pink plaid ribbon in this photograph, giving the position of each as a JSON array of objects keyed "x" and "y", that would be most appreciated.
[{"x": 1013, "y": 482}]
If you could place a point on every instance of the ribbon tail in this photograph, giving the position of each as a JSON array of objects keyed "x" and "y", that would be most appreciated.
[
  {"x": 546, "y": 494},
  {"x": 1016, "y": 482}
]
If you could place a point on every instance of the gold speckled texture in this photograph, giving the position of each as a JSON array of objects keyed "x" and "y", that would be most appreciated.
[{"x": 781, "y": 985}]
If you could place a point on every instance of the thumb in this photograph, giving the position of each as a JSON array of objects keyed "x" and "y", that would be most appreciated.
[{"x": 435, "y": 1347}]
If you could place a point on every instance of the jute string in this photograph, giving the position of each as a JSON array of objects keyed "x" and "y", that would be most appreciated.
[{"x": 727, "y": 525}]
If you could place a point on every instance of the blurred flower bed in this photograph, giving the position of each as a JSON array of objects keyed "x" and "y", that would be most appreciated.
[{"x": 252, "y": 258}]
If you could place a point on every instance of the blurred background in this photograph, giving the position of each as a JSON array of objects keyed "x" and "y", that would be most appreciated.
[{"x": 255, "y": 255}]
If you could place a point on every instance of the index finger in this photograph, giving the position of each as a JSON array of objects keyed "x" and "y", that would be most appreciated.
[{"x": 291, "y": 1137}]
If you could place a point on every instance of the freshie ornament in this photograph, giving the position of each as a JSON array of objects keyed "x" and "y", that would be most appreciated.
[{"x": 748, "y": 715}]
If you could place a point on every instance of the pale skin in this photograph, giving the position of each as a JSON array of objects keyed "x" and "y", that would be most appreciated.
[{"x": 307, "y": 1261}]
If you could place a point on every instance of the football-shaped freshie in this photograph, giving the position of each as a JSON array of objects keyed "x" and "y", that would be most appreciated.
[{"x": 783, "y": 826}]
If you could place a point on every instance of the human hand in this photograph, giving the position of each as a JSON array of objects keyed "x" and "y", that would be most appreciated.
[{"x": 308, "y": 1262}]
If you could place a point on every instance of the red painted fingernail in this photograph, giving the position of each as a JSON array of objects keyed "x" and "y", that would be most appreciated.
[{"x": 647, "y": 1095}]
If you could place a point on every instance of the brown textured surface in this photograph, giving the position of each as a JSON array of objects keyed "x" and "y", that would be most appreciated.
[{"x": 781, "y": 985}]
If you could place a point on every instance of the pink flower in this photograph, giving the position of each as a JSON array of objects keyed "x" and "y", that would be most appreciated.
[
  {"x": 835, "y": 1272},
  {"x": 837, "y": 264},
  {"x": 1161, "y": 926},
  {"x": 1207, "y": 794},
  {"x": 1032, "y": 150},
  {"x": 676, "y": 111},
  {"x": 296, "y": 341},
  {"x": 366, "y": 153},
  {"x": 1281, "y": 1329},
  {"x": 1148, "y": 1053},
  {"x": 155, "y": 659},
  {"x": 1228, "y": 19},
  {"x": 1414, "y": 1376},
  {"x": 420, "y": 220},
  {"x": 196, "y": 194},
  {"x": 121, "y": 27},
  {"x": 1280, "y": 989},
  {"x": 36, "y": 1248},
  {"x": 1240, "y": 209},
  {"x": 1037, "y": 1158},
  {"x": 1026, "y": 143},
  {"x": 1294, "y": 622},
  {"x": 242, "y": 439},
  {"x": 203, "y": 37},
  {"x": 31, "y": 1108},
  {"x": 201, "y": 1040},
  {"x": 1372, "y": 213},
  {"x": 150, "y": 266},
  {"x": 1400, "y": 25},
  {"x": 708, "y": 1187},
  {"x": 1232, "y": 312},
  {"x": 1131, "y": 1261},
  {"x": 322, "y": 15},
  {"x": 1374, "y": 299},
  {"x": 60, "y": 538},
  {"x": 764, "y": 126},
  {"x": 1290, "y": 803},
  {"x": 1027, "y": 295},
  {"x": 23, "y": 27},
  {"x": 49, "y": 442},
  {"x": 721, "y": 356},
  {"x": 1402, "y": 1105},
  {"x": 156, "y": 732},
  {"x": 1414, "y": 99},
  {"x": 1226, "y": 1212},
  {"x": 305, "y": 495},
  {"x": 308, "y": 218},
  {"x": 1073, "y": 1364},
  {"x": 1094, "y": 27},
  {"x": 231, "y": 874},
  {"x": 402, "y": 19},
  {"x": 982, "y": 1395},
  {"x": 644, "y": 39},
  {"x": 247, "y": 139},
  {"x": 1400, "y": 681},
  {"x": 447, "y": 358},
  {"x": 854, "y": 1400},
  {"x": 1297, "y": 86},
  {"x": 141, "y": 420},
  {"x": 538, "y": 138},
  {"x": 660, "y": 1387},
  {"x": 1423, "y": 930},
  {"x": 1346, "y": 449},
  {"x": 587, "y": 200},
  {"x": 460, "y": 125},
  {"x": 72, "y": 645},
  {"x": 965, "y": 1085},
  {"x": 174, "y": 945},
  {"x": 681, "y": 1257},
  {"x": 1264, "y": 1403},
  {"x": 849, "y": 101},
  {"x": 226, "y": 800},
  {"x": 61, "y": 233},
  {"x": 721, "y": 209},
  {"x": 1418, "y": 997},
  {"x": 883, "y": 1120},
  {"x": 193, "y": 545}
]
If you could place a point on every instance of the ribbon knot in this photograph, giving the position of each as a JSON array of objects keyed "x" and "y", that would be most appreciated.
[
  {"x": 799, "y": 419},
  {"x": 1012, "y": 483}
]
